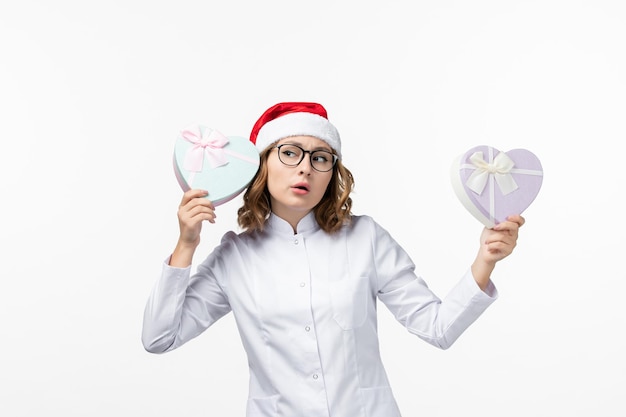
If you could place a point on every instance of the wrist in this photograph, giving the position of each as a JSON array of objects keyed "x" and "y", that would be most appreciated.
[
  {"x": 182, "y": 255},
  {"x": 481, "y": 271}
]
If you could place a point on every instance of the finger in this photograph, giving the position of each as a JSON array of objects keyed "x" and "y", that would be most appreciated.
[
  {"x": 500, "y": 248},
  {"x": 196, "y": 202},
  {"x": 192, "y": 216},
  {"x": 199, "y": 201},
  {"x": 505, "y": 240},
  {"x": 200, "y": 209},
  {"x": 517, "y": 219},
  {"x": 505, "y": 235},
  {"x": 191, "y": 194},
  {"x": 507, "y": 226},
  {"x": 508, "y": 242},
  {"x": 200, "y": 217}
]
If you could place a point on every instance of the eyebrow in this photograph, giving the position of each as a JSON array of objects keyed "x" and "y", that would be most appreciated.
[{"x": 319, "y": 148}]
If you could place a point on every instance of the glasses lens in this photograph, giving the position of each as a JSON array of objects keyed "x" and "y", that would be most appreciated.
[
  {"x": 290, "y": 155},
  {"x": 322, "y": 161}
]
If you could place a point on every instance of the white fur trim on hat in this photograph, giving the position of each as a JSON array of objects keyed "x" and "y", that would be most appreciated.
[{"x": 299, "y": 124}]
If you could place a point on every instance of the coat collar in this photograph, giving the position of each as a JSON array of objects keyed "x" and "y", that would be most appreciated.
[{"x": 307, "y": 225}]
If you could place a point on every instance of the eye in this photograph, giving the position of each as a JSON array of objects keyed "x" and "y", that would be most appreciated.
[
  {"x": 320, "y": 157},
  {"x": 290, "y": 152}
]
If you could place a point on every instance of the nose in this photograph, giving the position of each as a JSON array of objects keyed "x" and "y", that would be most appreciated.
[{"x": 305, "y": 165}]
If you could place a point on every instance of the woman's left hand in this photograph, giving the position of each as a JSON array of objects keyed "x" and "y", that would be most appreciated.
[
  {"x": 498, "y": 243},
  {"x": 495, "y": 244}
]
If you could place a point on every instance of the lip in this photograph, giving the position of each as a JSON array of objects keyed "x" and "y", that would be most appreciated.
[{"x": 301, "y": 188}]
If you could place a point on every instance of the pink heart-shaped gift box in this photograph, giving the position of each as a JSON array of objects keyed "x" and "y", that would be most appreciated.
[
  {"x": 493, "y": 185},
  {"x": 206, "y": 159}
]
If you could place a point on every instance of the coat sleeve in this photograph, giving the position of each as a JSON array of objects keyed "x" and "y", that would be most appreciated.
[
  {"x": 181, "y": 306},
  {"x": 438, "y": 322}
]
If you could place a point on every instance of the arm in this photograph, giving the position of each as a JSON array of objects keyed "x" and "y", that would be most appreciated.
[
  {"x": 439, "y": 322},
  {"x": 180, "y": 306},
  {"x": 495, "y": 244}
]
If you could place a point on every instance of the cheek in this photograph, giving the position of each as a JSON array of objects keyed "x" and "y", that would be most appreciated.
[
  {"x": 273, "y": 176},
  {"x": 271, "y": 187},
  {"x": 324, "y": 185}
]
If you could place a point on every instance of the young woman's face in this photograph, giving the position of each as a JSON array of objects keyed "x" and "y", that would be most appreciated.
[{"x": 296, "y": 190}]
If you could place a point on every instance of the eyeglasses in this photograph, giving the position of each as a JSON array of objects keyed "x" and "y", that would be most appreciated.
[{"x": 292, "y": 155}]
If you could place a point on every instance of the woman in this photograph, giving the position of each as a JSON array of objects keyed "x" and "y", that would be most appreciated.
[{"x": 303, "y": 278}]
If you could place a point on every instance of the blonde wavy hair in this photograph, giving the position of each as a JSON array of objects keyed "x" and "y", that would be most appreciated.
[{"x": 331, "y": 213}]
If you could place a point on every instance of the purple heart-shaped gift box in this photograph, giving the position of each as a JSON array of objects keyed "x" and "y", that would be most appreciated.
[{"x": 493, "y": 185}]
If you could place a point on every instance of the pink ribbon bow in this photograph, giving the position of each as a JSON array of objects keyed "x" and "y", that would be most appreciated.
[{"x": 211, "y": 142}]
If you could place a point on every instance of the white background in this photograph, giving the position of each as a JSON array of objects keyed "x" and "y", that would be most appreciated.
[{"x": 93, "y": 94}]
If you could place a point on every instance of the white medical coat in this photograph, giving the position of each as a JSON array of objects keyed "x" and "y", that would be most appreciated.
[{"x": 305, "y": 305}]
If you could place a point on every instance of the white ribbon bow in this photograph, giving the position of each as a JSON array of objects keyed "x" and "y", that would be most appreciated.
[{"x": 500, "y": 168}]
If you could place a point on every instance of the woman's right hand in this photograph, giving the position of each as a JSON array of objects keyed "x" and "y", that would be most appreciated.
[{"x": 193, "y": 210}]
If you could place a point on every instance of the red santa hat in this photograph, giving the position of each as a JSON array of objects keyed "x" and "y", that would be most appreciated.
[{"x": 287, "y": 119}]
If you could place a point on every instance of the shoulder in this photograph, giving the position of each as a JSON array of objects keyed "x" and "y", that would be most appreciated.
[
  {"x": 232, "y": 238},
  {"x": 240, "y": 241},
  {"x": 361, "y": 225},
  {"x": 232, "y": 247},
  {"x": 359, "y": 222}
]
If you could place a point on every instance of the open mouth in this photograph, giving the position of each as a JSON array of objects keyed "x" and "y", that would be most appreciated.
[{"x": 303, "y": 187}]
